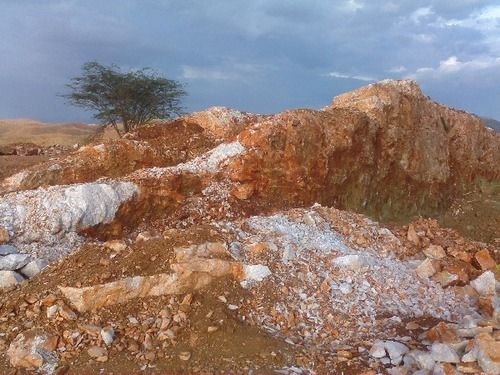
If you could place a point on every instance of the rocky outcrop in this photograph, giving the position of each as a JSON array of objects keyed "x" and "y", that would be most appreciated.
[
  {"x": 385, "y": 150},
  {"x": 49, "y": 219},
  {"x": 162, "y": 144},
  {"x": 221, "y": 122}
]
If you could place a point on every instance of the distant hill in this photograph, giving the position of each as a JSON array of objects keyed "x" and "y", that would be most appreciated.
[
  {"x": 31, "y": 131},
  {"x": 491, "y": 123}
]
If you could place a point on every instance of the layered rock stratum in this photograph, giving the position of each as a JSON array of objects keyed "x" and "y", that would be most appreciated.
[{"x": 196, "y": 244}]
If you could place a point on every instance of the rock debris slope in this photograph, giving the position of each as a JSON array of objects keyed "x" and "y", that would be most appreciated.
[{"x": 190, "y": 239}]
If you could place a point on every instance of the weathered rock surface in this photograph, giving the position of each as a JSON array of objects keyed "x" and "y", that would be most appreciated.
[
  {"x": 9, "y": 278},
  {"x": 52, "y": 216},
  {"x": 13, "y": 262},
  {"x": 485, "y": 284},
  {"x": 34, "y": 349},
  {"x": 193, "y": 272},
  {"x": 7, "y": 249},
  {"x": 34, "y": 267}
]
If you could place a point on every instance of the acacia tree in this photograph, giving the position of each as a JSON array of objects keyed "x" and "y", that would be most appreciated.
[{"x": 131, "y": 98}]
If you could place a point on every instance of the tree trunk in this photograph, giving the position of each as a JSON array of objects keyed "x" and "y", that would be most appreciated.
[{"x": 115, "y": 126}]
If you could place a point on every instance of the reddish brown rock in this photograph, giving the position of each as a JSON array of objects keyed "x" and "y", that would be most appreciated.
[
  {"x": 243, "y": 191},
  {"x": 441, "y": 333},
  {"x": 4, "y": 236},
  {"x": 34, "y": 349},
  {"x": 483, "y": 260},
  {"x": 412, "y": 235}
]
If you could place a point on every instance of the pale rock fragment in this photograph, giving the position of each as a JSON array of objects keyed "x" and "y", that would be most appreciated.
[
  {"x": 484, "y": 284},
  {"x": 34, "y": 349},
  {"x": 7, "y": 249},
  {"x": 10, "y": 278},
  {"x": 13, "y": 262},
  {"x": 444, "y": 353},
  {"x": 34, "y": 267},
  {"x": 435, "y": 252}
]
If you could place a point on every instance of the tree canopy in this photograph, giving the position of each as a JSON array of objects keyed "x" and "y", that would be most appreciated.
[{"x": 131, "y": 98}]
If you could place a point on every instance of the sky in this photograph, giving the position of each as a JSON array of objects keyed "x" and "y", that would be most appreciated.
[{"x": 260, "y": 56}]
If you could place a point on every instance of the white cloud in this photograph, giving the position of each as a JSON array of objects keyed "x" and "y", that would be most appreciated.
[
  {"x": 224, "y": 72},
  {"x": 423, "y": 38},
  {"x": 420, "y": 14},
  {"x": 353, "y": 5},
  {"x": 397, "y": 69},
  {"x": 193, "y": 72},
  {"x": 453, "y": 65},
  {"x": 349, "y": 76}
]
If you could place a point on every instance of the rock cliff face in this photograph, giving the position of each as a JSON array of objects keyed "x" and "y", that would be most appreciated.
[{"x": 384, "y": 149}]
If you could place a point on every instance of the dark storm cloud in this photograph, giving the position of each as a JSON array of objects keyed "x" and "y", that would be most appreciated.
[{"x": 258, "y": 55}]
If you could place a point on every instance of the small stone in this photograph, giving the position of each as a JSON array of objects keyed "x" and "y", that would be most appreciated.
[
  {"x": 184, "y": 356},
  {"x": 108, "y": 335},
  {"x": 445, "y": 278},
  {"x": 222, "y": 299},
  {"x": 442, "y": 333},
  {"x": 145, "y": 236},
  {"x": 66, "y": 313},
  {"x": 427, "y": 268},
  {"x": 115, "y": 245},
  {"x": 242, "y": 191},
  {"x": 188, "y": 298},
  {"x": 396, "y": 350},
  {"x": 378, "y": 349},
  {"x": 34, "y": 267},
  {"x": 345, "y": 288},
  {"x": 353, "y": 262},
  {"x": 212, "y": 329},
  {"x": 344, "y": 354},
  {"x": 232, "y": 307},
  {"x": 460, "y": 255},
  {"x": 412, "y": 235},
  {"x": 486, "y": 306},
  {"x": 4, "y": 235},
  {"x": 98, "y": 353},
  {"x": 411, "y": 326},
  {"x": 52, "y": 311},
  {"x": 444, "y": 353},
  {"x": 468, "y": 368},
  {"x": 255, "y": 272},
  {"x": 150, "y": 356},
  {"x": 423, "y": 360},
  {"x": 435, "y": 252},
  {"x": 13, "y": 262},
  {"x": 484, "y": 284},
  {"x": 483, "y": 260},
  {"x": 10, "y": 278},
  {"x": 90, "y": 329},
  {"x": 471, "y": 332},
  {"x": 7, "y": 249}
]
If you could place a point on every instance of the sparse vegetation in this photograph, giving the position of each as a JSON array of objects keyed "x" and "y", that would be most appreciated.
[{"x": 131, "y": 99}]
